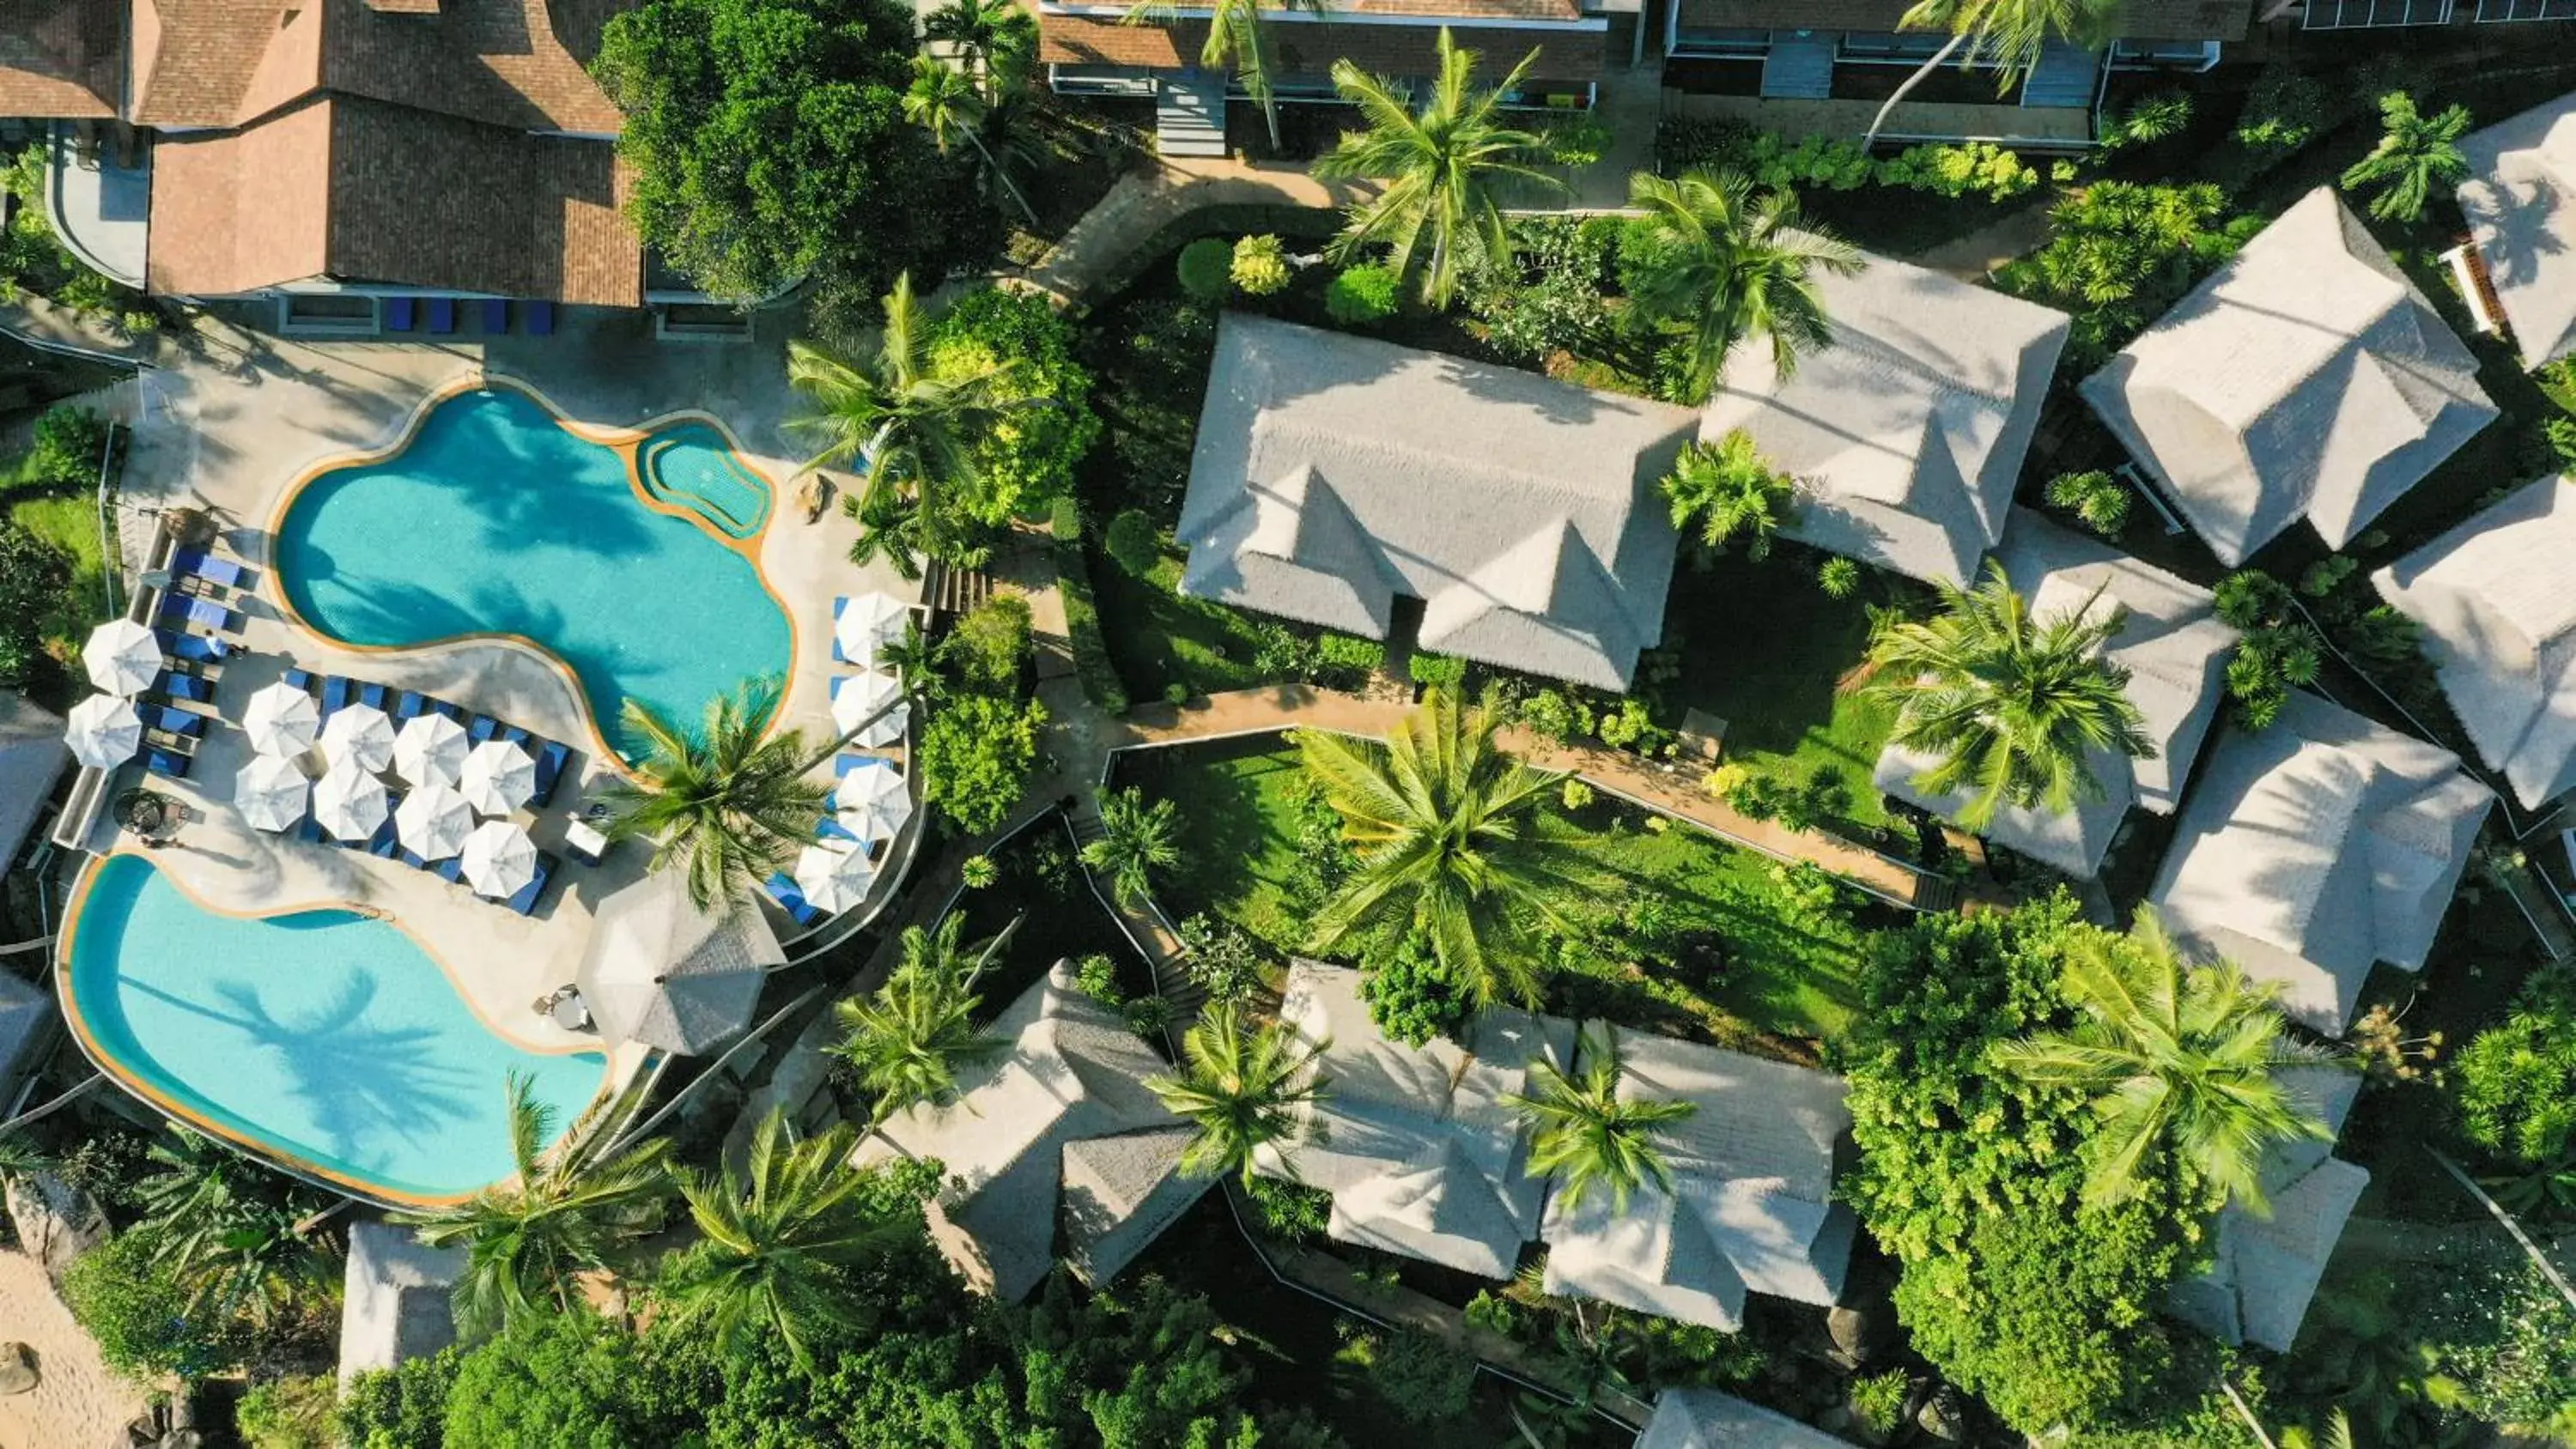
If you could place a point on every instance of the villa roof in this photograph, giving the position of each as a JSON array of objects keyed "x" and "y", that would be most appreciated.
[
  {"x": 658, "y": 970},
  {"x": 32, "y": 758},
  {"x": 2307, "y": 378},
  {"x": 2265, "y": 1271},
  {"x": 60, "y": 59},
  {"x": 1058, "y": 1129},
  {"x": 1335, "y": 473},
  {"x": 1301, "y": 46},
  {"x": 2498, "y": 608},
  {"x": 25, "y": 1012},
  {"x": 1907, "y": 434},
  {"x": 2175, "y": 650},
  {"x": 2316, "y": 847},
  {"x": 2139, "y": 20},
  {"x": 1707, "y": 1419},
  {"x": 395, "y": 1300},
  {"x": 2520, "y": 200}
]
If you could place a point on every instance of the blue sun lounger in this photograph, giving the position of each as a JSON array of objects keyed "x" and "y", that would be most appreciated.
[
  {"x": 309, "y": 830},
  {"x": 165, "y": 762},
  {"x": 551, "y": 759},
  {"x": 541, "y": 318},
  {"x": 193, "y": 648},
  {"x": 337, "y": 691},
  {"x": 782, "y": 889},
  {"x": 525, "y": 902},
  {"x": 374, "y": 694},
  {"x": 299, "y": 679},
  {"x": 204, "y": 613},
  {"x": 442, "y": 314},
  {"x": 197, "y": 563},
  {"x": 398, "y": 314},
  {"x": 496, "y": 315},
  {"x": 189, "y": 687},
  {"x": 450, "y": 870},
  {"x": 176, "y": 721}
]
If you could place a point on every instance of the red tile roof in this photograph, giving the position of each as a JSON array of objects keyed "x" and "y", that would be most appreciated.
[
  {"x": 1309, "y": 49},
  {"x": 59, "y": 58}
]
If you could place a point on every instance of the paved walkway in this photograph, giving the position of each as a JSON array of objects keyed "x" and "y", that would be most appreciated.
[
  {"x": 77, "y": 1401},
  {"x": 1103, "y": 249}
]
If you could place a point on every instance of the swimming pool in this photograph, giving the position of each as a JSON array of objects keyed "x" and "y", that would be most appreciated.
[
  {"x": 325, "y": 1039},
  {"x": 629, "y": 561}
]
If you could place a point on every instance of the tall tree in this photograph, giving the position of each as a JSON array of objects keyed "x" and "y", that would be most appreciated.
[
  {"x": 1584, "y": 1130},
  {"x": 1243, "y": 1088},
  {"x": 722, "y": 803},
  {"x": 1141, "y": 840},
  {"x": 994, "y": 38},
  {"x": 2007, "y": 34},
  {"x": 1237, "y": 38},
  {"x": 1727, "y": 266},
  {"x": 945, "y": 102},
  {"x": 2417, "y": 156},
  {"x": 908, "y": 1040},
  {"x": 1437, "y": 210},
  {"x": 1726, "y": 490},
  {"x": 2011, "y": 705},
  {"x": 2176, "y": 1058}
]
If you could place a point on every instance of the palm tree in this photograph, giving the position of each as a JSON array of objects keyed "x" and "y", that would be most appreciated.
[
  {"x": 908, "y": 1040},
  {"x": 2176, "y": 1058},
  {"x": 915, "y": 662},
  {"x": 1241, "y": 1088},
  {"x": 2011, "y": 705},
  {"x": 2417, "y": 155},
  {"x": 777, "y": 1234},
  {"x": 889, "y": 528},
  {"x": 1726, "y": 489},
  {"x": 1581, "y": 1128},
  {"x": 227, "y": 1230},
  {"x": 994, "y": 38},
  {"x": 1439, "y": 165},
  {"x": 721, "y": 802},
  {"x": 1141, "y": 840},
  {"x": 2008, "y": 33},
  {"x": 559, "y": 1215},
  {"x": 944, "y": 102},
  {"x": 1454, "y": 844},
  {"x": 1237, "y": 38},
  {"x": 1726, "y": 265}
]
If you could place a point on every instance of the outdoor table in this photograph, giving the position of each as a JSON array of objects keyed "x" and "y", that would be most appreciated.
[{"x": 585, "y": 842}]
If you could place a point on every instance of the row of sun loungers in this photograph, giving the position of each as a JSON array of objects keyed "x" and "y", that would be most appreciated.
[
  {"x": 438, "y": 314},
  {"x": 338, "y": 692}
]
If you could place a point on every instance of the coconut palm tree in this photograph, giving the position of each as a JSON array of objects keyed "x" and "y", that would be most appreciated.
[
  {"x": 1583, "y": 1130},
  {"x": 889, "y": 528},
  {"x": 721, "y": 802},
  {"x": 1725, "y": 266},
  {"x": 915, "y": 662},
  {"x": 1242, "y": 1087},
  {"x": 1142, "y": 840},
  {"x": 560, "y": 1214},
  {"x": 994, "y": 38},
  {"x": 2006, "y": 33},
  {"x": 2011, "y": 705},
  {"x": 908, "y": 1040},
  {"x": 1236, "y": 38},
  {"x": 944, "y": 102},
  {"x": 1454, "y": 844},
  {"x": 1437, "y": 210},
  {"x": 2417, "y": 156},
  {"x": 1726, "y": 490},
  {"x": 2176, "y": 1058},
  {"x": 777, "y": 1235}
]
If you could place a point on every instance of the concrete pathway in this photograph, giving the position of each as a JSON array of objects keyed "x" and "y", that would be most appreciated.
[
  {"x": 1175, "y": 197},
  {"x": 77, "y": 1400}
]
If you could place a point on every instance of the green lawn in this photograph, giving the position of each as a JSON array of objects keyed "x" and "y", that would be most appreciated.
[
  {"x": 70, "y": 524},
  {"x": 1157, "y": 639}
]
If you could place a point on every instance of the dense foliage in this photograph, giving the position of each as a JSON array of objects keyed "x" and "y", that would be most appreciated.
[
  {"x": 133, "y": 1302},
  {"x": 2517, "y": 1080},
  {"x": 977, "y": 755},
  {"x": 1026, "y": 459},
  {"x": 33, "y": 577}
]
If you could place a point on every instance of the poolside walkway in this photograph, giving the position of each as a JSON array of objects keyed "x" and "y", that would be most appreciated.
[
  {"x": 77, "y": 1399},
  {"x": 1159, "y": 203}
]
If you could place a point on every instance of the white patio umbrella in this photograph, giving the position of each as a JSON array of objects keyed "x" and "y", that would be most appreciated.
[
  {"x": 856, "y": 696},
  {"x": 433, "y": 821},
  {"x": 833, "y": 876},
  {"x": 867, "y": 621},
  {"x": 359, "y": 735},
  {"x": 499, "y": 859},
  {"x": 122, "y": 657},
  {"x": 270, "y": 793},
  {"x": 281, "y": 720},
  {"x": 871, "y": 800},
  {"x": 349, "y": 802},
  {"x": 498, "y": 777},
  {"x": 103, "y": 731},
  {"x": 429, "y": 749}
]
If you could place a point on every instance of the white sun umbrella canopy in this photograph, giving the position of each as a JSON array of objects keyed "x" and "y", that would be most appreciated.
[
  {"x": 281, "y": 720},
  {"x": 867, "y": 621},
  {"x": 349, "y": 802},
  {"x": 122, "y": 657},
  {"x": 857, "y": 696},
  {"x": 103, "y": 731},
  {"x": 498, "y": 859},
  {"x": 429, "y": 749},
  {"x": 360, "y": 736},
  {"x": 270, "y": 793},
  {"x": 433, "y": 821},
  {"x": 871, "y": 801},
  {"x": 498, "y": 777},
  {"x": 833, "y": 875}
]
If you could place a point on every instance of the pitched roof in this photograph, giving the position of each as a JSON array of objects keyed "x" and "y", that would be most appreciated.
[
  {"x": 1707, "y": 1419},
  {"x": 2264, "y": 1271},
  {"x": 32, "y": 757},
  {"x": 60, "y": 59},
  {"x": 661, "y": 971},
  {"x": 2175, "y": 650},
  {"x": 2306, "y": 378},
  {"x": 2498, "y": 606},
  {"x": 2139, "y": 20},
  {"x": 2316, "y": 847},
  {"x": 394, "y": 1304},
  {"x": 2520, "y": 200},
  {"x": 1300, "y": 46},
  {"x": 1057, "y": 1128},
  {"x": 1908, "y": 432},
  {"x": 25, "y": 1011},
  {"x": 1333, "y": 473}
]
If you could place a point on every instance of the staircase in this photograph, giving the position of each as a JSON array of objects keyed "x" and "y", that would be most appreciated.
[
  {"x": 1800, "y": 65},
  {"x": 953, "y": 591},
  {"x": 1189, "y": 114},
  {"x": 1163, "y": 951},
  {"x": 2066, "y": 76}
]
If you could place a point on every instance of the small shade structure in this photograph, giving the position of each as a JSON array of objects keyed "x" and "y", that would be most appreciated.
[
  {"x": 359, "y": 735},
  {"x": 864, "y": 622},
  {"x": 857, "y": 696},
  {"x": 498, "y": 777},
  {"x": 662, "y": 972},
  {"x": 433, "y": 821},
  {"x": 281, "y": 720},
  {"x": 834, "y": 875},
  {"x": 498, "y": 859},
  {"x": 103, "y": 731},
  {"x": 349, "y": 803},
  {"x": 429, "y": 749},
  {"x": 122, "y": 657},
  {"x": 871, "y": 800},
  {"x": 270, "y": 793}
]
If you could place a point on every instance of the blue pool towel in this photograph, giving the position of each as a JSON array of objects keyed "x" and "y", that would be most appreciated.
[
  {"x": 541, "y": 319},
  {"x": 300, "y": 679},
  {"x": 398, "y": 314},
  {"x": 442, "y": 314},
  {"x": 782, "y": 889},
  {"x": 165, "y": 762},
  {"x": 496, "y": 315}
]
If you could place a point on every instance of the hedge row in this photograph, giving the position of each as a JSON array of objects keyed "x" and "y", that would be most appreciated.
[{"x": 1082, "y": 614}]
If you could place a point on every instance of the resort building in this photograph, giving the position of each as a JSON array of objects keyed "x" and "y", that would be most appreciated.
[
  {"x": 2520, "y": 200},
  {"x": 1907, "y": 434},
  {"x": 397, "y": 1298},
  {"x": 2306, "y": 379},
  {"x": 2265, "y": 1270},
  {"x": 2175, "y": 650},
  {"x": 2499, "y": 623},
  {"x": 32, "y": 758},
  {"x": 1707, "y": 1419},
  {"x": 1054, "y": 1140},
  {"x": 1388, "y": 492},
  {"x": 2317, "y": 847},
  {"x": 1416, "y": 1144},
  {"x": 1751, "y": 1207}
]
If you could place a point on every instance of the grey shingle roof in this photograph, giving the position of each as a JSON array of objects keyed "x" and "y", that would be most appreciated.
[
  {"x": 1334, "y": 473},
  {"x": 2497, "y": 599},
  {"x": 2317, "y": 847},
  {"x": 2520, "y": 200},
  {"x": 2306, "y": 378},
  {"x": 1707, "y": 1419},
  {"x": 2264, "y": 1271},
  {"x": 2175, "y": 650},
  {"x": 1909, "y": 431},
  {"x": 32, "y": 757},
  {"x": 394, "y": 1303},
  {"x": 25, "y": 1013},
  {"x": 660, "y": 971}
]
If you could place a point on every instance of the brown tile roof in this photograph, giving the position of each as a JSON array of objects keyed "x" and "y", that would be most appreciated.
[
  {"x": 366, "y": 192},
  {"x": 194, "y": 59},
  {"x": 2139, "y": 20},
  {"x": 1569, "y": 56},
  {"x": 59, "y": 58}
]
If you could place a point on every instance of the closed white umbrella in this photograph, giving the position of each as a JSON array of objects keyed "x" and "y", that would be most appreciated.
[
  {"x": 865, "y": 622},
  {"x": 122, "y": 657},
  {"x": 270, "y": 793},
  {"x": 871, "y": 800},
  {"x": 103, "y": 731},
  {"x": 857, "y": 696},
  {"x": 498, "y": 858},
  {"x": 429, "y": 749},
  {"x": 433, "y": 821},
  {"x": 281, "y": 720},
  {"x": 833, "y": 876},
  {"x": 349, "y": 802},
  {"x": 359, "y": 735},
  {"x": 498, "y": 777}
]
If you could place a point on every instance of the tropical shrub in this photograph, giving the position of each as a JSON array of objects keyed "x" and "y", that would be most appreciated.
[
  {"x": 2120, "y": 253},
  {"x": 1409, "y": 996},
  {"x": 1207, "y": 269},
  {"x": 2276, "y": 651},
  {"x": 2516, "y": 1080},
  {"x": 1344, "y": 660},
  {"x": 1028, "y": 457},
  {"x": 2287, "y": 109},
  {"x": 1423, "y": 1379},
  {"x": 1091, "y": 663},
  {"x": 1224, "y": 961},
  {"x": 1838, "y": 577},
  {"x": 65, "y": 450},
  {"x": 976, "y": 759},
  {"x": 2099, "y": 501},
  {"x": 989, "y": 644},
  {"x": 130, "y": 1299},
  {"x": 2417, "y": 158},
  {"x": 1545, "y": 297},
  {"x": 34, "y": 578},
  {"x": 404, "y": 1407},
  {"x": 289, "y": 1413},
  {"x": 1829, "y": 163},
  {"x": 1977, "y": 168},
  {"x": 1291, "y": 1212},
  {"x": 1437, "y": 671},
  {"x": 1259, "y": 266},
  {"x": 1133, "y": 542},
  {"x": 566, "y": 1380},
  {"x": 1555, "y": 715},
  {"x": 1361, "y": 295}
]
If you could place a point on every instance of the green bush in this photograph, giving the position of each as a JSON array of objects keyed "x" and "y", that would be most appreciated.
[
  {"x": 1207, "y": 269},
  {"x": 1345, "y": 660},
  {"x": 2097, "y": 499},
  {"x": 2517, "y": 1079},
  {"x": 1437, "y": 671},
  {"x": 404, "y": 1407},
  {"x": 1097, "y": 977},
  {"x": 2286, "y": 110},
  {"x": 1409, "y": 996},
  {"x": 1361, "y": 295},
  {"x": 1029, "y": 460},
  {"x": 988, "y": 645},
  {"x": 1223, "y": 959},
  {"x": 1422, "y": 1378},
  {"x": 976, "y": 758},
  {"x": 1259, "y": 266},
  {"x": 289, "y": 1413},
  {"x": 1878, "y": 1401},
  {"x": 1546, "y": 297},
  {"x": 66, "y": 448},
  {"x": 1133, "y": 542},
  {"x": 1838, "y": 577},
  {"x": 1289, "y": 1211},
  {"x": 35, "y": 578},
  {"x": 1091, "y": 664},
  {"x": 132, "y": 1303}
]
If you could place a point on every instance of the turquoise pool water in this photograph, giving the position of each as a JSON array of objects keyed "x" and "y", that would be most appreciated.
[
  {"x": 326, "y": 1037},
  {"x": 495, "y": 520}
]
